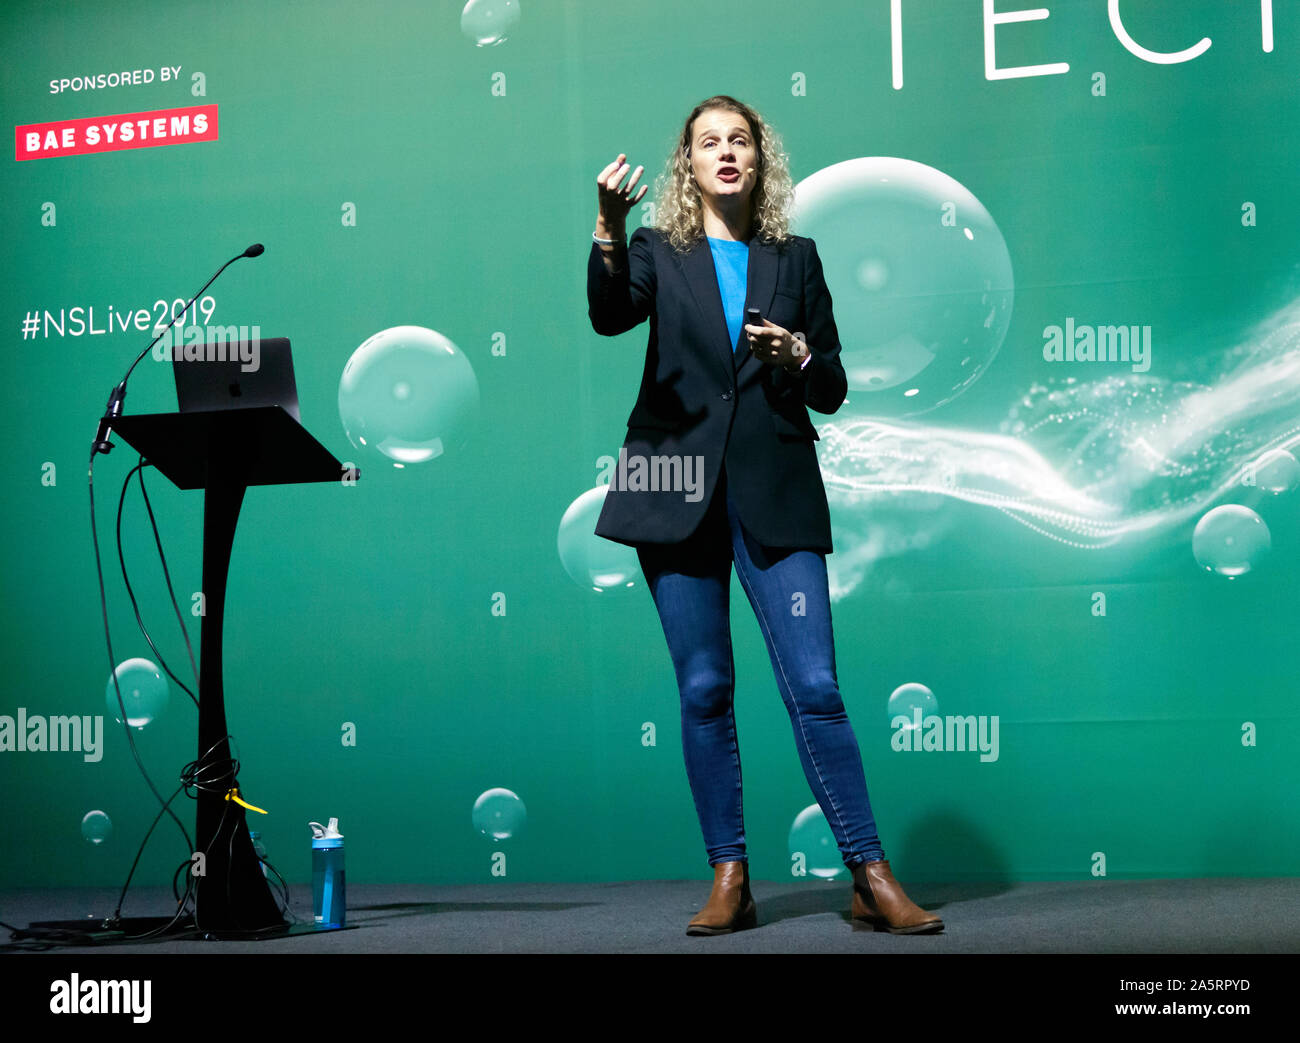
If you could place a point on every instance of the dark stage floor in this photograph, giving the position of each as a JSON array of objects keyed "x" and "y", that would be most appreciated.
[{"x": 1225, "y": 915}]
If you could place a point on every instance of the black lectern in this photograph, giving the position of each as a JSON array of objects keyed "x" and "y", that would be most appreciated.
[{"x": 224, "y": 452}]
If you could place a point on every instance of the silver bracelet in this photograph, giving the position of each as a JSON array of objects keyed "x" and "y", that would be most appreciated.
[{"x": 604, "y": 242}]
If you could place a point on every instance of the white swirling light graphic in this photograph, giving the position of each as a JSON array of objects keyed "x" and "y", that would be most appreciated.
[{"x": 1088, "y": 464}]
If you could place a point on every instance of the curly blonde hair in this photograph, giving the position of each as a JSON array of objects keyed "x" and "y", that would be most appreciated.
[{"x": 680, "y": 212}]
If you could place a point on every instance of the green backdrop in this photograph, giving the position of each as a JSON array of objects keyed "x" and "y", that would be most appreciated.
[{"x": 400, "y": 174}]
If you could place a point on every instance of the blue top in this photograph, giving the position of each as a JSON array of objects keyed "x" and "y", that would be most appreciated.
[{"x": 731, "y": 261}]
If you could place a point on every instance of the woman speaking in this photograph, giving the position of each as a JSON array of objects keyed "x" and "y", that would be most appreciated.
[{"x": 742, "y": 343}]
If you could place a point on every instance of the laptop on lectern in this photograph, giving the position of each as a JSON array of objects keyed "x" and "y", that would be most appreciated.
[{"x": 237, "y": 375}]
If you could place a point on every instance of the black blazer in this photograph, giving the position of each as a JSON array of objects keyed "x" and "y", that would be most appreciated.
[{"x": 694, "y": 401}]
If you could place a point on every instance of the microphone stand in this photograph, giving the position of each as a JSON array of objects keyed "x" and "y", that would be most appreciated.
[{"x": 117, "y": 397}]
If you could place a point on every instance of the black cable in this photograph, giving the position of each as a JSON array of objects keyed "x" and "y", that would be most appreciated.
[
  {"x": 181, "y": 900},
  {"x": 112, "y": 662},
  {"x": 188, "y": 774},
  {"x": 230, "y": 856},
  {"x": 130, "y": 592},
  {"x": 215, "y": 833},
  {"x": 193, "y": 774},
  {"x": 188, "y": 862},
  {"x": 185, "y": 633},
  {"x": 201, "y": 775},
  {"x": 41, "y": 939},
  {"x": 117, "y": 913},
  {"x": 221, "y": 776},
  {"x": 285, "y": 911},
  {"x": 165, "y": 805}
]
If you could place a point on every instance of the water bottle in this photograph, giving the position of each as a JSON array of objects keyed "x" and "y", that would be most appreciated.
[{"x": 329, "y": 896}]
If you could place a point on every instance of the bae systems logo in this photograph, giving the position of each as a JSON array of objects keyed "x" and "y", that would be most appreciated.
[{"x": 78, "y": 137}]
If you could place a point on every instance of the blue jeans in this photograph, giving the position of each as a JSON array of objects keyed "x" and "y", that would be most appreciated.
[{"x": 691, "y": 586}]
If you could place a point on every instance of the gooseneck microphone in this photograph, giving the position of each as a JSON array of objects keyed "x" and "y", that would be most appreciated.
[{"x": 113, "y": 410}]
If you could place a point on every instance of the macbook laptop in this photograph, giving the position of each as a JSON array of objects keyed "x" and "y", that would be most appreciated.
[{"x": 225, "y": 378}]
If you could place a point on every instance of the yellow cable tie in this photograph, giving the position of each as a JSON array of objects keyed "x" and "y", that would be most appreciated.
[{"x": 234, "y": 795}]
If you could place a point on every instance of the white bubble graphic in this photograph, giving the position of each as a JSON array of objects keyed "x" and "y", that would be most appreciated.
[
  {"x": 96, "y": 827},
  {"x": 811, "y": 838},
  {"x": 408, "y": 395},
  {"x": 912, "y": 701},
  {"x": 1230, "y": 540},
  {"x": 489, "y": 22},
  {"x": 920, "y": 276},
  {"x": 145, "y": 692},
  {"x": 593, "y": 562},
  {"x": 498, "y": 813}
]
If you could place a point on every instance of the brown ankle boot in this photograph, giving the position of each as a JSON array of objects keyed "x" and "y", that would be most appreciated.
[
  {"x": 730, "y": 906},
  {"x": 878, "y": 899}
]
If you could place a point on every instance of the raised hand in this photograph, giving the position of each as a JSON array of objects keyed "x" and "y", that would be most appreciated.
[{"x": 615, "y": 198}]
